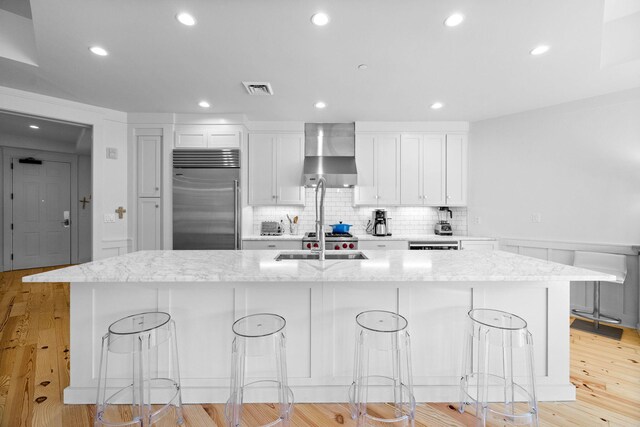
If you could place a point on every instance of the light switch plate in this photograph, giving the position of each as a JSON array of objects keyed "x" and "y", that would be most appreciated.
[{"x": 112, "y": 153}]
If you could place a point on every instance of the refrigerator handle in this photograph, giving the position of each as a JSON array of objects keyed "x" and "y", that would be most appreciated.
[{"x": 235, "y": 213}]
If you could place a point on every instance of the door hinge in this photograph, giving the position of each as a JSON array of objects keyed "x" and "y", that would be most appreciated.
[
  {"x": 12, "y": 226},
  {"x": 11, "y": 257},
  {"x": 11, "y": 165},
  {"x": 11, "y": 196}
]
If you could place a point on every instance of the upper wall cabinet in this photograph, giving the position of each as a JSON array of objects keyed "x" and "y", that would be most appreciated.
[
  {"x": 149, "y": 165},
  {"x": 457, "y": 168},
  {"x": 423, "y": 160},
  {"x": 378, "y": 163},
  {"x": 434, "y": 170},
  {"x": 275, "y": 169},
  {"x": 209, "y": 136}
]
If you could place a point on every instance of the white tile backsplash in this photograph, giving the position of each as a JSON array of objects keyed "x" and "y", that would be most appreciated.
[{"x": 339, "y": 207}]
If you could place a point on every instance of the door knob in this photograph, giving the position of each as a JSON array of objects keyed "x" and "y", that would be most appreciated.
[{"x": 66, "y": 223}]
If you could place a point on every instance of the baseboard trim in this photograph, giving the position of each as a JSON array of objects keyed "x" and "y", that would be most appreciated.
[{"x": 324, "y": 394}]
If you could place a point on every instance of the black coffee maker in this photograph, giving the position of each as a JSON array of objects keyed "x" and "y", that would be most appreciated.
[{"x": 379, "y": 221}]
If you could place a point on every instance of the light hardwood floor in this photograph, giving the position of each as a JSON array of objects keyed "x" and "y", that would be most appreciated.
[{"x": 34, "y": 370}]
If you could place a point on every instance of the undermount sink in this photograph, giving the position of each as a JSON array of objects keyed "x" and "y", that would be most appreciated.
[{"x": 313, "y": 255}]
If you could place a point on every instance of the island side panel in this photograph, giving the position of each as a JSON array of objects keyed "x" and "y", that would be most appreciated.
[
  {"x": 320, "y": 330},
  {"x": 546, "y": 307}
]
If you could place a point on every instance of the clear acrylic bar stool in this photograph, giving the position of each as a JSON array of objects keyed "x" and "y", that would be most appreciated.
[
  {"x": 135, "y": 344},
  {"x": 382, "y": 342},
  {"x": 259, "y": 335},
  {"x": 498, "y": 375}
]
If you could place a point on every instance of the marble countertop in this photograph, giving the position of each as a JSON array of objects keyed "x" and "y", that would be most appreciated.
[
  {"x": 412, "y": 237},
  {"x": 260, "y": 266}
]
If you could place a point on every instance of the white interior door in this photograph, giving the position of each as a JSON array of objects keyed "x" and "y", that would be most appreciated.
[{"x": 41, "y": 214}]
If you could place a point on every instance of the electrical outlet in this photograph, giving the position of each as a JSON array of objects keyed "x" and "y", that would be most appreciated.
[
  {"x": 477, "y": 220},
  {"x": 536, "y": 218},
  {"x": 109, "y": 218}
]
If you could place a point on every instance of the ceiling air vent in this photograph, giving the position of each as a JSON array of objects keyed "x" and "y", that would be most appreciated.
[{"x": 258, "y": 88}]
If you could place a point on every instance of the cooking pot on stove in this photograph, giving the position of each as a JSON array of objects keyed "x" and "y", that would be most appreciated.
[{"x": 340, "y": 228}]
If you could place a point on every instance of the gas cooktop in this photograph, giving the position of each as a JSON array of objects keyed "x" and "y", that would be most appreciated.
[{"x": 312, "y": 235}]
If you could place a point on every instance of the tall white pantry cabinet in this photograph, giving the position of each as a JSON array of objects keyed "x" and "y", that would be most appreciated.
[{"x": 149, "y": 186}]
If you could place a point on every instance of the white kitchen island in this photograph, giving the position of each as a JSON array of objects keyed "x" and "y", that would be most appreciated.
[{"x": 205, "y": 291}]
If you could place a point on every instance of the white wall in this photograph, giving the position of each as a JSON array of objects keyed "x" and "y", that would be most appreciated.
[
  {"x": 576, "y": 164},
  {"x": 109, "y": 177}
]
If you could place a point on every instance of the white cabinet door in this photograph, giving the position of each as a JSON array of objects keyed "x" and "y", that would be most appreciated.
[
  {"x": 456, "y": 170},
  {"x": 388, "y": 169},
  {"x": 223, "y": 139},
  {"x": 149, "y": 224},
  {"x": 388, "y": 245},
  {"x": 476, "y": 245},
  {"x": 272, "y": 244},
  {"x": 262, "y": 174},
  {"x": 148, "y": 160},
  {"x": 365, "y": 193},
  {"x": 411, "y": 173},
  {"x": 434, "y": 150},
  {"x": 289, "y": 163},
  {"x": 190, "y": 137}
]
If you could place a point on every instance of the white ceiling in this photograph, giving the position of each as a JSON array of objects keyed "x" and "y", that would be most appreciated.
[{"x": 478, "y": 70}]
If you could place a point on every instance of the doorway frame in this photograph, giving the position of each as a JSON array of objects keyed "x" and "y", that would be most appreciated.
[{"x": 9, "y": 154}]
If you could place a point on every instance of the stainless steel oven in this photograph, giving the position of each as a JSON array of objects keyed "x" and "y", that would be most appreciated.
[{"x": 434, "y": 245}]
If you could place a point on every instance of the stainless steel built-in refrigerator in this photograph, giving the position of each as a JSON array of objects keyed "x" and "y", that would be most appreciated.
[{"x": 206, "y": 199}]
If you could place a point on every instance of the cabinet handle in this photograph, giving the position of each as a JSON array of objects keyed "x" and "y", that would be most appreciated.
[
  {"x": 157, "y": 206},
  {"x": 382, "y": 246},
  {"x": 271, "y": 246},
  {"x": 157, "y": 188}
]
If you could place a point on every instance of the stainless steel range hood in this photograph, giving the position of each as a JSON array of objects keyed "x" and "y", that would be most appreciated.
[{"x": 330, "y": 150}]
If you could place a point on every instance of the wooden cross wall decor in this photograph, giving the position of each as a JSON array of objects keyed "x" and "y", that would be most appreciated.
[
  {"x": 120, "y": 211},
  {"x": 84, "y": 201}
]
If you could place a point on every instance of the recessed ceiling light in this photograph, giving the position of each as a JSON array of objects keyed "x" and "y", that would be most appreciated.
[
  {"x": 320, "y": 105},
  {"x": 320, "y": 19},
  {"x": 186, "y": 19},
  {"x": 454, "y": 20},
  {"x": 363, "y": 67},
  {"x": 98, "y": 51},
  {"x": 34, "y": 127},
  {"x": 539, "y": 50},
  {"x": 204, "y": 104},
  {"x": 437, "y": 105}
]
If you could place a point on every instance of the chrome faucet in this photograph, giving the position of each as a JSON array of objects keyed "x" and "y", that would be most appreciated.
[{"x": 320, "y": 217}]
